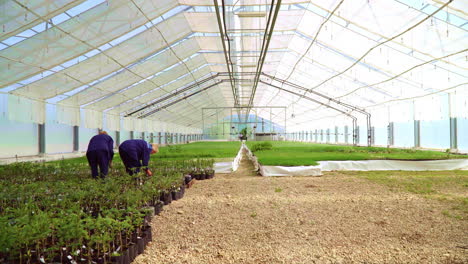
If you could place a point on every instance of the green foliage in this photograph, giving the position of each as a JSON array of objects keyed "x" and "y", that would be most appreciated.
[
  {"x": 174, "y": 148},
  {"x": 299, "y": 153},
  {"x": 261, "y": 146},
  {"x": 243, "y": 132},
  {"x": 198, "y": 150},
  {"x": 56, "y": 207}
]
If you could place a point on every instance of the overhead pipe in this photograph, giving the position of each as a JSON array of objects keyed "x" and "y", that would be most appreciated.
[
  {"x": 349, "y": 106},
  {"x": 174, "y": 94},
  {"x": 228, "y": 64},
  {"x": 323, "y": 104},
  {"x": 268, "y": 33},
  {"x": 178, "y": 100}
]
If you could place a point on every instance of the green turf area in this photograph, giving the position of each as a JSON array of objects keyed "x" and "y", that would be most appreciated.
[
  {"x": 299, "y": 153},
  {"x": 214, "y": 150},
  {"x": 223, "y": 149},
  {"x": 448, "y": 186}
]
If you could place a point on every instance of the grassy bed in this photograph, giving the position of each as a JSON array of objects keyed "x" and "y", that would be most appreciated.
[
  {"x": 450, "y": 187},
  {"x": 299, "y": 153},
  {"x": 199, "y": 150},
  {"x": 213, "y": 150}
]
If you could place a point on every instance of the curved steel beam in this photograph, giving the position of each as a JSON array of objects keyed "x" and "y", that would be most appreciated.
[{"x": 320, "y": 103}]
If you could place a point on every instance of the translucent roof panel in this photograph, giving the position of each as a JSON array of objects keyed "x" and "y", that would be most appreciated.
[{"x": 166, "y": 60}]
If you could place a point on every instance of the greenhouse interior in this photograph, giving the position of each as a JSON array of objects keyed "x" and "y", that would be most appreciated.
[{"x": 296, "y": 131}]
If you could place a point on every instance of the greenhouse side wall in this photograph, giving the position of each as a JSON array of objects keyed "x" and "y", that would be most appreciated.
[
  {"x": 462, "y": 132},
  {"x": 18, "y": 138}
]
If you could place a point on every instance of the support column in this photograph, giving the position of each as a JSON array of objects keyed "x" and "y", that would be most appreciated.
[
  {"x": 336, "y": 134},
  {"x": 159, "y": 138},
  {"x": 453, "y": 134},
  {"x": 346, "y": 134},
  {"x": 417, "y": 133},
  {"x": 42, "y": 141},
  {"x": 372, "y": 134},
  {"x": 117, "y": 138},
  {"x": 356, "y": 141},
  {"x": 143, "y": 136},
  {"x": 131, "y": 135},
  {"x": 76, "y": 138},
  {"x": 391, "y": 134}
]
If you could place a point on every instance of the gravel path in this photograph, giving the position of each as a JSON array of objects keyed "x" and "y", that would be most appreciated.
[{"x": 337, "y": 218}]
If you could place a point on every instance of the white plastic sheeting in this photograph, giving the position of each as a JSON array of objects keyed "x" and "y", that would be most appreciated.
[
  {"x": 223, "y": 167},
  {"x": 384, "y": 165},
  {"x": 364, "y": 165},
  {"x": 396, "y": 59},
  {"x": 290, "y": 171},
  {"x": 356, "y": 165}
]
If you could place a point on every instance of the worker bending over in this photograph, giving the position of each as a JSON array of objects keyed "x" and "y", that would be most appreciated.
[
  {"x": 135, "y": 153},
  {"x": 100, "y": 153}
]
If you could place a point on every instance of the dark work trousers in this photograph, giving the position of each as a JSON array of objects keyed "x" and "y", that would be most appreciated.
[
  {"x": 98, "y": 158},
  {"x": 132, "y": 165}
]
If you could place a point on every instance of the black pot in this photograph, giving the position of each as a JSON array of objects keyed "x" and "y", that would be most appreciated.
[
  {"x": 141, "y": 245},
  {"x": 166, "y": 198},
  {"x": 132, "y": 252},
  {"x": 175, "y": 195},
  {"x": 182, "y": 192},
  {"x": 122, "y": 259},
  {"x": 158, "y": 207},
  {"x": 126, "y": 258},
  {"x": 188, "y": 178},
  {"x": 148, "y": 234},
  {"x": 202, "y": 176},
  {"x": 148, "y": 218}
]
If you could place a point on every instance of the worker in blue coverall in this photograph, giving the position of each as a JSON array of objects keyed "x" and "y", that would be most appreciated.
[
  {"x": 100, "y": 153},
  {"x": 135, "y": 153}
]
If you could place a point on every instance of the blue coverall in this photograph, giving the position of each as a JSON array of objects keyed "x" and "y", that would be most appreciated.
[
  {"x": 100, "y": 152},
  {"x": 135, "y": 153}
]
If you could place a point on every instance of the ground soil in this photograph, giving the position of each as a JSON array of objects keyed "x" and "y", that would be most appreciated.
[{"x": 337, "y": 218}]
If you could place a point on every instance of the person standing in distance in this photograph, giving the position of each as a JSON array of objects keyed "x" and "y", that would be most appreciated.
[
  {"x": 135, "y": 153},
  {"x": 99, "y": 154}
]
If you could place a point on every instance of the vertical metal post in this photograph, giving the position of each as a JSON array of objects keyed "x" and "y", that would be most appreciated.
[
  {"x": 453, "y": 134},
  {"x": 217, "y": 124},
  {"x": 417, "y": 133},
  {"x": 117, "y": 138},
  {"x": 131, "y": 135},
  {"x": 203, "y": 120},
  {"x": 336, "y": 134},
  {"x": 356, "y": 140},
  {"x": 372, "y": 141},
  {"x": 346, "y": 134},
  {"x": 76, "y": 138},
  {"x": 143, "y": 135},
  {"x": 391, "y": 134},
  {"x": 42, "y": 140},
  {"x": 285, "y": 121},
  {"x": 453, "y": 126}
]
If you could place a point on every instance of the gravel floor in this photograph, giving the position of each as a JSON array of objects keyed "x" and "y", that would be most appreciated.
[{"x": 336, "y": 218}]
